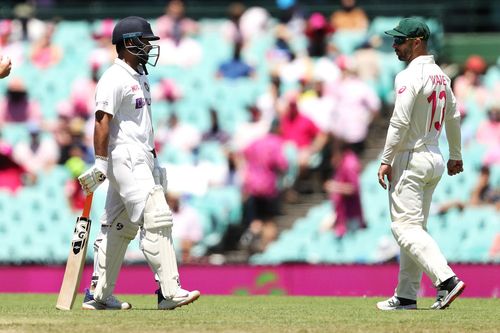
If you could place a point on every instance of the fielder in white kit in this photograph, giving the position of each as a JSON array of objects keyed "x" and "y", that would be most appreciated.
[
  {"x": 413, "y": 165},
  {"x": 124, "y": 152}
]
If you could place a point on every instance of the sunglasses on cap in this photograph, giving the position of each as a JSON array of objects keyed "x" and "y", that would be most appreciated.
[{"x": 402, "y": 40}]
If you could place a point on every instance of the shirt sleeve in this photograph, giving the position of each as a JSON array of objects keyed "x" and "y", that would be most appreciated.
[
  {"x": 406, "y": 94},
  {"x": 108, "y": 95},
  {"x": 452, "y": 125}
]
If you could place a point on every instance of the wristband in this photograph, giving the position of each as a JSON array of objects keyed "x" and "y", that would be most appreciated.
[{"x": 101, "y": 163}]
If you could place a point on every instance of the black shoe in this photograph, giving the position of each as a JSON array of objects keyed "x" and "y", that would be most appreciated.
[{"x": 447, "y": 292}]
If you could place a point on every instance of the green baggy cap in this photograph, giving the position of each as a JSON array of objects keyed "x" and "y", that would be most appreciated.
[{"x": 410, "y": 27}]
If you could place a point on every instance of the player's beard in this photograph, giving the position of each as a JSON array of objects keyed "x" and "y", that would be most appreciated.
[{"x": 404, "y": 53}]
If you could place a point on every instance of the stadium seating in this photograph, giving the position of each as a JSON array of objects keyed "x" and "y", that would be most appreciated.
[{"x": 36, "y": 223}]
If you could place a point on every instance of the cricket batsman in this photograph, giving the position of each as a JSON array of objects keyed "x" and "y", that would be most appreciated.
[{"x": 124, "y": 154}]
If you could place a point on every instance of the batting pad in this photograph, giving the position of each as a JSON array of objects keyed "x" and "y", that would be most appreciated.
[
  {"x": 157, "y": 214},
  {"x": 111, "y": 253},
  {"x": 156, "y": 242}
]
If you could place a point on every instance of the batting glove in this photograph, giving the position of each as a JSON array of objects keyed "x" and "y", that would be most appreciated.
[
  {"x": 95, "y": 176},
  {"x": 160, "y": 175}
]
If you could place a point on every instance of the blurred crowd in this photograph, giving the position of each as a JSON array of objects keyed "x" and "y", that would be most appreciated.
[{"x": 305, "y": 132}]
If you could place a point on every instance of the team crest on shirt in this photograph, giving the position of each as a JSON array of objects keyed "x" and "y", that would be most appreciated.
[
  {"x": 135, "y": 88},
  {"x": 146, "y": 86},
  {"x": 401, "y": 90}
]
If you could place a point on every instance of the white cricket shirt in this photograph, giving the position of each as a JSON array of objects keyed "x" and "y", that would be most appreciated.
[
  {"x": 125, "y": 94},
  {"x": 424, "y": 104}
]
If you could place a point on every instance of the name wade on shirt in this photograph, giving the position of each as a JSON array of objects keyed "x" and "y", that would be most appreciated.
[{"x": 438, "y": 80}]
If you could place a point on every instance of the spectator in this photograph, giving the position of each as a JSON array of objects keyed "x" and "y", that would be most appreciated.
[
  {"x": 215, "y": 132},
  {"x": 292, "y": 16},
  {"x": 69, "y": 134},
  {"x": 248, "y": 132},
  {"x": 178, "y": 134},
  {"x": 302, "y": 132},
  {"x": 268, "y": 102},
  {"x": 231, "y": 29},
  {"x": 254, "y": 23},
  {"x": 17, "y": 107},
  {"x": 483, "y": 193},
  {"x": 236, "y": 67},
  {"x": 349, "y": 17},
  {"x": 368, "y": 60},
  {"x": 318, "y": 32},
  {"x": 488, "y": 134},
  {"x": 317, "y": 106},
  {"x": 178, "y": 46},
  {"x": 12, "y": 175},
  {"x": 174, "y": 24},
  {"x": 104, "y": 53},
  {"x": 469, "y": 87},
  {"x": 167, "y": 90},
  {"x": 39, "y": 154},
  {"x": 44, "y": 53},
  {"x": 281, "y": 51},
  {"x": 81, "y": 99},
  {"x": 264, "y": 163},
  {"x": 187, "y": 230},
  {"x": 357, "y": 104},
  {"x": 76, "y": 166},
  {"x": 344, "y": 190},
  {"x": 26, "y": 27}
]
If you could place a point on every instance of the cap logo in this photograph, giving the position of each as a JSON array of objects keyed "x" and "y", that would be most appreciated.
[{"x": 132, "y": 34}]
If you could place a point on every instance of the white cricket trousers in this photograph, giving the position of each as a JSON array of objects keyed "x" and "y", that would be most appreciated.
[
  {"x": 415, "y": 175},
  {"x": 131, "y": 179}
]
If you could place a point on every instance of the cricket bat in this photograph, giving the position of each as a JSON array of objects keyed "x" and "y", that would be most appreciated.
[{"x": 76, "y": 259}]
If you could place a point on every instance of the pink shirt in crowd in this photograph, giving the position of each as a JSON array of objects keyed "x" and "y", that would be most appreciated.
[
  {"x": 357, "y": 103},
  {"x": 265, "y": 161},
  {"x": 299, "y": 130},
  {"x": 348, "y": 207}
]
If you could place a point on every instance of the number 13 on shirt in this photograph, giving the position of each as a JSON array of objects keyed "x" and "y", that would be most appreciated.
[{"x": 434, "y": 101}]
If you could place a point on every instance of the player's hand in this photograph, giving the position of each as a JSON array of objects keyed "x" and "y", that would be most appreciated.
[
  {"x": 5, "y": 66},
  {"x": 95, "y": 176},
  {"x": 385, "y": 170},
  {"x": 455, "y": 167},
  {"x": 160, "y": 176}
]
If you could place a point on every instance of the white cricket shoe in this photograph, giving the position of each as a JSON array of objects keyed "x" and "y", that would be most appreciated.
[
  {"x": 447, "y": 292},
  {"x": 112, "y": 303},
  {"x": 183, "y": 297},
  {"x": 394, "y": 303}
]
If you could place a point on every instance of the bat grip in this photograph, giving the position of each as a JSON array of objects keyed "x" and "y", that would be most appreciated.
[{"x": 88, "y": 204}]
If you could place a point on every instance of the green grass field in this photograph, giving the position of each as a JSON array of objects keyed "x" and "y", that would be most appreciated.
[{"x": 37, "y": 313}]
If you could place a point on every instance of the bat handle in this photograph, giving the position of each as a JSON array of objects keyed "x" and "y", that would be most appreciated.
[{"x": 88, "y": 204}]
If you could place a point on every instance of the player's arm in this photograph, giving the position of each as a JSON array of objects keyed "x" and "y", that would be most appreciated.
[
  {"x": 452, "y": 126},
  {"x": 406, "y": 94},
  {"x": 101, "y": 133},
  {"x": 108, "y": 98},
  {"x": 96, "y": 175}
]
